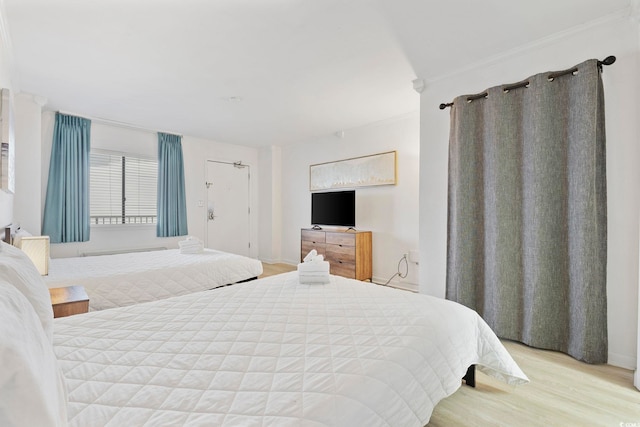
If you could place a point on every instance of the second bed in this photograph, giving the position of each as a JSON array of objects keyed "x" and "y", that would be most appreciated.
[{"x": 124, "y": 279}]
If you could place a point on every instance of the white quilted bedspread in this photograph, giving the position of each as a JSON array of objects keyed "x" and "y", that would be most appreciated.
[
  {"x": 125, "y": 279},
  {"x": 273, "y": 352}
]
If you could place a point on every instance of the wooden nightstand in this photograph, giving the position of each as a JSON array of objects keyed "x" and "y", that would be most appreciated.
[{"x": 68, "y": 301}]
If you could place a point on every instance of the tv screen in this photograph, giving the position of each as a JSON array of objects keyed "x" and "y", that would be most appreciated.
[{"x": 334, "y": 208}]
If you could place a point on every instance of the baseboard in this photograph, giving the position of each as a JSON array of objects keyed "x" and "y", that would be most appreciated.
[
  {"x": 623, "y": 361},
  {"x": 399, "y": 284},
  {"x": 123, "y": 251},
  {"x": 290, "y": 262}
]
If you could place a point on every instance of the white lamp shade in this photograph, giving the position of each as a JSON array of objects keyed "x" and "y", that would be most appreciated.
[{"x": 37, "y": 249}]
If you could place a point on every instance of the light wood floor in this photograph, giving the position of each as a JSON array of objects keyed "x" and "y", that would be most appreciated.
[
  {"x": 273, "y": 269},
  {"x": 562, "y": 392}
]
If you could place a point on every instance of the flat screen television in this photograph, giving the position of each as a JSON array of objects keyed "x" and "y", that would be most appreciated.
[{"x": 334, "y": 208}]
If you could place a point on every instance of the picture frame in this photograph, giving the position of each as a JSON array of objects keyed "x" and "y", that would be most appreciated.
[
  {"x": 7, "y": 142},
  {"x": 363, "y": 171}
]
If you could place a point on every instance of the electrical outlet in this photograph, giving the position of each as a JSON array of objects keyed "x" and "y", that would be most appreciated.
[{"x": 414, "y": 256}]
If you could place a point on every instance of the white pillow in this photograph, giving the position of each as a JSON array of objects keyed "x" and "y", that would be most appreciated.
[
  {"x": 17, "y": 269},
  {"x": 32, "y": 387}
]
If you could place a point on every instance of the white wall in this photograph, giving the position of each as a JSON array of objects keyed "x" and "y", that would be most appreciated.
[
  {"x": 26, "y": 201},
  {"x": 270, "y": 202},
  {"x": 6, "y": 199},
  {"x": 390, "y": 212},
  {"x": 617, "y": 37},
  {"x": 130, "y": 140}
]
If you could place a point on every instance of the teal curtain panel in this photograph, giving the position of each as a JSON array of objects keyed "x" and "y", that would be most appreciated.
[
  {"x": 66, "y": 209},
  {"x": 172, "y": 205},
  {"x": 527, "y": 211}
]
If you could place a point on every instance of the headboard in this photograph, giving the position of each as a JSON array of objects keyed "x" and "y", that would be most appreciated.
[{"x": 7, "y": 231}]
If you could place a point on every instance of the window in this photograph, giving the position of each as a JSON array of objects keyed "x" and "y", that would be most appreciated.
[{"x": 123, "y": 188}]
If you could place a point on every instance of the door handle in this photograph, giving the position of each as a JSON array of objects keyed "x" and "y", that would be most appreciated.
[{"x": 210, "y": 215}]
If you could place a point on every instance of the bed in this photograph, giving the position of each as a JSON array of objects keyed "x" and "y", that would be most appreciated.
[
  {"x": 120, "y": 280},
  {"x": 265, "y": 352}
]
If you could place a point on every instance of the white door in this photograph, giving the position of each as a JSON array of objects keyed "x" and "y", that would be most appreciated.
[{"x": 228, "y": 207}]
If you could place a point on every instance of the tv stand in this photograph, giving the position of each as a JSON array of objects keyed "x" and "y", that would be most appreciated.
[{"x": 348, "y": 252}]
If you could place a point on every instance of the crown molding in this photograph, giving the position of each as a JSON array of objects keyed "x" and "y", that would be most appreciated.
[{"x": 622, "y": 14}]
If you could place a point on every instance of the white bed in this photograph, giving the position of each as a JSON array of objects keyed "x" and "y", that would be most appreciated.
[
  {"x": 124, "y": 279},
  {"x": 265, "y": 352}
]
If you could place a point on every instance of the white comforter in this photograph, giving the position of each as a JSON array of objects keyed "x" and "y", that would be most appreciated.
[
  {"x": 274, "y": 352},
  {"x": 125, "y": 279}
]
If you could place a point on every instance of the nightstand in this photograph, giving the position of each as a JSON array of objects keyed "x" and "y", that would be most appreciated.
[{"x": 68, "y": 301}]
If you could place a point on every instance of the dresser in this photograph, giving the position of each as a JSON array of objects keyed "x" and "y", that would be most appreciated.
[{"x": 348, "y": 252}]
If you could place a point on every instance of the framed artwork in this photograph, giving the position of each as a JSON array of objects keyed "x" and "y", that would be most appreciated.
[
  {"x": 7, "y": 143},
  {"x": 375, "y": 169}
]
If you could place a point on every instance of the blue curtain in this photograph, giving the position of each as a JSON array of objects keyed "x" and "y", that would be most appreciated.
[
  {"x": 66, "y": 209},
  {"x": 172, "y": 205}
]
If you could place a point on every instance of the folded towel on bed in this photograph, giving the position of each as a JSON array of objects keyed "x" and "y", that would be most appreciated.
[
  {"x": 313, "y": 279},
  {"x": 192, "y": 250},
  {"x": 314, "y": 269},
  {"x": 192, "y": 245}
]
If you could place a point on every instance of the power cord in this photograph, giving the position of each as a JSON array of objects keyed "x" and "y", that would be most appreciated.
[{"x": 398, "y": 273}]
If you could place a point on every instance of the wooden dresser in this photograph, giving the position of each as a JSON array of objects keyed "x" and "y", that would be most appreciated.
[{"x": 348, "y": 252}]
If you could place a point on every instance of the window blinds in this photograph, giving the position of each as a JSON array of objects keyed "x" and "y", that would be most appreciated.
[{"x": 123, "y": 189}]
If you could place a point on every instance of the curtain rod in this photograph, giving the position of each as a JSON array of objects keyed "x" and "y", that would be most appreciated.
[
  {"x": 118, "y": 124},
  {"x": 607, "y": 61}
]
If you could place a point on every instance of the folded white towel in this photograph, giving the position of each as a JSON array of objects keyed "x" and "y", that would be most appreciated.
[
  {"x": 192, "y": 249},
  {"x": 190, "y": 245},
  {"x": 306, "y": 279},
  {"x": 314, "y": 267},
  {"x": 190, "y": 241}
]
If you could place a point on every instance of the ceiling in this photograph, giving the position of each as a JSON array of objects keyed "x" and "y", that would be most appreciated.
[{"x": 262, "y": 72}]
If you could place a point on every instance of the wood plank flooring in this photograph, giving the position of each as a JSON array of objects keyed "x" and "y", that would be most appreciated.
[
  {"x": 273, "y": 269},
  {"x": 563, "y": 392}
]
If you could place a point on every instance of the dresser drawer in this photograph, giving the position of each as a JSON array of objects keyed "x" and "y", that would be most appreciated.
[
  {"x": 306, "y": 247},
  {"x": 313, "y": 236},
  {"x": 340, "y": 253},
  {"x": 344, "y": 239},
  {"x": 344, "y": 269}
]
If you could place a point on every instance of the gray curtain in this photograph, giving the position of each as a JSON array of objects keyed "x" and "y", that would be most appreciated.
[{"x": 527, "y": 225}]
